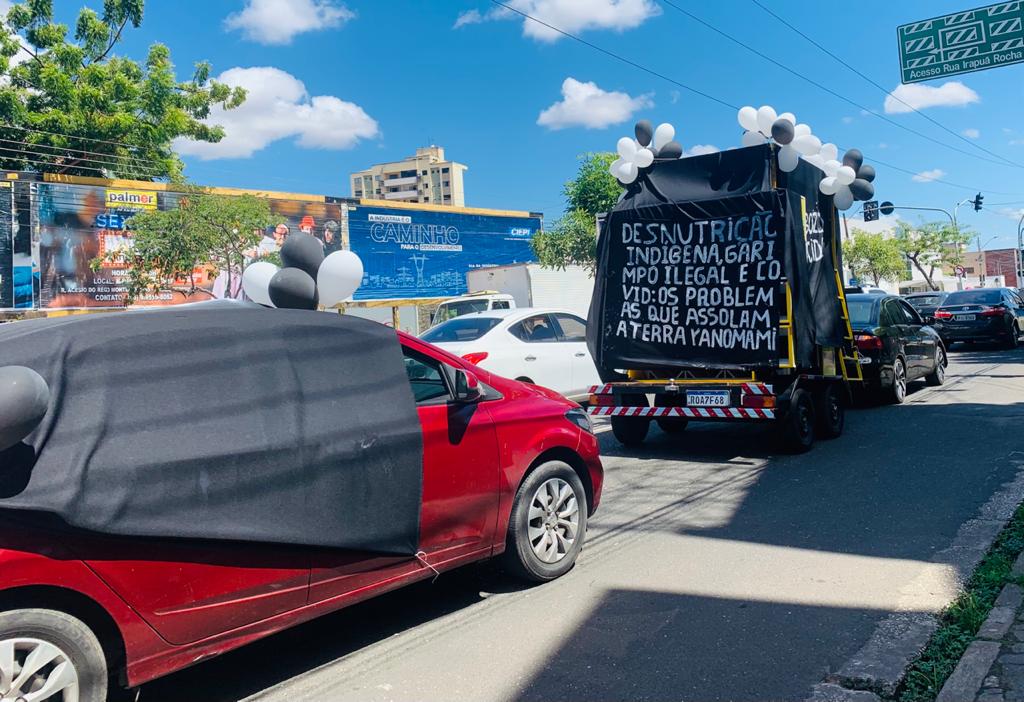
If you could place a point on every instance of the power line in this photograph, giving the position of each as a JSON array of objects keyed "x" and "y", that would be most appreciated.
[
  {"x": 78, "y": 160},
  {"x": 881, "y": 87},
  {"x": 830, "y": 91}
]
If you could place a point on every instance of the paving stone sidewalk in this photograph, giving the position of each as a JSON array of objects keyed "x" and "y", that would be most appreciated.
[{"x": 992, "y": 668}]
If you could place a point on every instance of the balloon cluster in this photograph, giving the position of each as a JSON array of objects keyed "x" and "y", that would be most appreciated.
[
  {"x": 649, "y": 146},
  {"x": 847, "y": 180},
  {"x": 308, "y": 278}
]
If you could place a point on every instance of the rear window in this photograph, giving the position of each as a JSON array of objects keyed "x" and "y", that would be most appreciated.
[
  {"x": 451, "y": 310},
  {"x": 925, "y": 301},
  {"x": 863, "y": 313},
  {"x": 460, "y": 329},
  {"x": 974, "y": 297}
]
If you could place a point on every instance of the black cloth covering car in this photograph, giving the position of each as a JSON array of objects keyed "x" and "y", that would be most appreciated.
[
  {"x": 984, "y": 314},
  {"x": 895, "y": 345}
]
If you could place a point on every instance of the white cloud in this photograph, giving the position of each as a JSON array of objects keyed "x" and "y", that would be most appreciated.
[
  {"x": 279, "y": 21},
  {"x": 701, "y": 149},
  {"x": 278, "y": 107},
  {"x": 586, "y": 105},
  {"x": 1011, "y": 213},
  {"x": 847, "y": 120},
  {"x": 918, "y": 97},
  {"x": 883, "y": 145},
  {"x": 569, "y": 15},
  {"x": 972, "y": 133},
  {"x": 928, "y": 176}
]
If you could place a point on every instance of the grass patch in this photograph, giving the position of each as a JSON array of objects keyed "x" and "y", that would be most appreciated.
[{"x": 961, "y": 620}]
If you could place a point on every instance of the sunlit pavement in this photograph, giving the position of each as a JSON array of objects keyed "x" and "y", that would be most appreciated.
[{"x": 714, "y": 570}]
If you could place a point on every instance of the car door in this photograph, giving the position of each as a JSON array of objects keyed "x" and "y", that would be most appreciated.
[
  {"x": 543, "y": 359},
  {"x": 1016, "y": 304},
  {"x": 922, "y": 345},
  {"x": 895, "y": 325},
  {"x": 572, "y": 332}
]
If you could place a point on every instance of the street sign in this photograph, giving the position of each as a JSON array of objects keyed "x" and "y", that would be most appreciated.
[
  {"x": 871, "y": 210},
  {"x": 887, "y": 208},
  {"x": 962, "y": 42}
]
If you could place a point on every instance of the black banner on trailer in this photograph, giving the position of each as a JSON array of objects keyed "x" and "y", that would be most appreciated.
[{"x": 6, "y": 245}]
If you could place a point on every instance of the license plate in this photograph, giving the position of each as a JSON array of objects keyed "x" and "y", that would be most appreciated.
[
  {"x": 707, "y": 398},
  {"x": 963, "y": 318}
]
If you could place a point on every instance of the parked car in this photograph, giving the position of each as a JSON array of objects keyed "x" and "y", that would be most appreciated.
[
  {"x": 926, "y": 303},
  {"x": 472, "y": 302},
  {"x": 895, "y": 345},
  {"x": 866, "y": 289},
  {"x": 984, "y": 314},
  {"x": 546, "y": 347},
  {"x": 508, "y": 469}
]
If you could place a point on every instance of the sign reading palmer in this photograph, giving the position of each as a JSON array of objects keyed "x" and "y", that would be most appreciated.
[
  {"x": 696, "y": 287},
  {"x": 962, "y": 42}
]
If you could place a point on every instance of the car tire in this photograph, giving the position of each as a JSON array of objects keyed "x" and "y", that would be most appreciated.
[
  {"x": 631, "y": 431},
  {"x": 669, "y": 425},
  {"x": 830, "y": 412},
  {"x": 1012, "y": 340},
  {"x": 896, "y": 393},
  {"x": 550, "y": 506},
  {"x": 938, "y": 376},
  {"x": 797, "y": 430},
  {"x": 78, "y": 656}
]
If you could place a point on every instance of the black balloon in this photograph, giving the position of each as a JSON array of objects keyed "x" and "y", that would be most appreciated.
[
  {"x": 862, "y": 189},
  {"x": 293, "y": 289},
  {"x": 673, "y": 149},
  {"x": 867, "y": 173},
  {"x": 24, "y": 399},
  {"x": 783, "y": 131},
  {"x": 304, "y": 252},
  {"x": 644, "y": 131},
  {"x": 854, "y": 159}
]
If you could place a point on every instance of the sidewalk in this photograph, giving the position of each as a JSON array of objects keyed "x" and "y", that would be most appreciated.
[{"x": 992, "y": 668}]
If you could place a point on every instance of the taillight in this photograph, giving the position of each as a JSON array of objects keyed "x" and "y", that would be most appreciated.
[
  {"x": 943, "y": 314},
  {"x": 992, "y": 312},
  {"x": 759, "y": 401},
  {"x": 868, "y": 342},
  {"x": 602, "y": 400},
  {"x": 475, "y": 357}
]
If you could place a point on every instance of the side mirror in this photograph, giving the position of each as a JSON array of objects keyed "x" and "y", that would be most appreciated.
[{"x": 467, "y": 387}]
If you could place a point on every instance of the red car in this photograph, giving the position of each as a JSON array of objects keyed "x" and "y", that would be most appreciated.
[{"x": 519, "y": 478}]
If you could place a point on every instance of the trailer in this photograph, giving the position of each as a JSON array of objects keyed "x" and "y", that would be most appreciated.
[
  {"x": 719, "y": 298},
  {"x": 532, "y": 285}
]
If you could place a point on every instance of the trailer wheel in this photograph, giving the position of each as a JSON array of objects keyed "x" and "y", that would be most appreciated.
[
  {"x": 669, "y": 425},
  {"x": 798, "y": 423},
  {"x": 631, "y": 431},
  {"x": 830, "y": 412}
]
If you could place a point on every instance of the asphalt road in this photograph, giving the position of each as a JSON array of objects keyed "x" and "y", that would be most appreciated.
[{"x": 714, "y": 570}]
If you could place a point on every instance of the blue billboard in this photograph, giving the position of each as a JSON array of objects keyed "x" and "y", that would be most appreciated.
[{"x": 411, "y": 253}]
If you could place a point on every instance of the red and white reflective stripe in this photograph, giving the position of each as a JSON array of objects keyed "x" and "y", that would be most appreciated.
[
  {"x": 757, "y": 389},
  {"x": 688, "y": 412},
  {"x": 605, "y": 389}
]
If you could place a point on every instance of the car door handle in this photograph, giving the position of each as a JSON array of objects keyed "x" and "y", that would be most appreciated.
[
  {"x": 581, "y": 354},
  {"x": 530, "y": 358}
]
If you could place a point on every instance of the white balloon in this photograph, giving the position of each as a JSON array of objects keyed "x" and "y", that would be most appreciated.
[
  {"x": 643, "y": 158},
  {"x": 789, "y": 158},
  {"x": 628, "y": 172},
  {"x": 765, "y": 119},
  {"x": 800, "y": 130},
  {"x": 256, "y": 281},
  {"x": 614, "y": 168},
  {"x": 831, "y": 166},
  {"x": 338, "y": 277},
  {"x": 663, "y": 135},
  {"x": 807, "y": 144},
  {"x": 828, "y": 185},
  {"x": 816, "y": 160},
  {"x": 752, "y": 138},
  {"x": 747, "y": 118},
  {"x": 626, "y": 148},
  {"x": 845, "y": 175},
  {"x": 829, "y": 152},
  {"x": 843, "y": 198},
  {"x": 788, "y": 115}
]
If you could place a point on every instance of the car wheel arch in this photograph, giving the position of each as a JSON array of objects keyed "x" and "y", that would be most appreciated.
[
  {"x": 82, "y": 607},
  {"x": 573, "y": 460},
  {"x": 524, "y": 379}
]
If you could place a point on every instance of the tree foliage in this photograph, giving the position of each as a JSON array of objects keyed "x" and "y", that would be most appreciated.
[
  {"x": 572, "y": 240},
  {"x": 79, "y": 96},
  {"x": 932, "y": 246},
  {"x": 205, "y": 229},
  {"x": 875, "y": 256}
]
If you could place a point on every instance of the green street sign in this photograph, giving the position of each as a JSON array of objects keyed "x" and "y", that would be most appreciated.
[{"x": 962, "y": 42}]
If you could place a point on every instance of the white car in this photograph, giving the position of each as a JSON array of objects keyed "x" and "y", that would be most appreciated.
[{"x": 545, "y": 347}]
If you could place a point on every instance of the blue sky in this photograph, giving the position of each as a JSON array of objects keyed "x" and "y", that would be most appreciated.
[{"x": 341, "y": 84}]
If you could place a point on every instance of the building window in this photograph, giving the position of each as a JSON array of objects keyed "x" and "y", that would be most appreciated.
[
  {"x": 444, "y": 170},
  {"x": 445, "y": 184},
  {"x": 424, "y": 172},
  {"x": 359, "y": 193}
]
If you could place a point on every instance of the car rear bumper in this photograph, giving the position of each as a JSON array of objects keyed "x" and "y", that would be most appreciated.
[{"x": 995, "y": 328}]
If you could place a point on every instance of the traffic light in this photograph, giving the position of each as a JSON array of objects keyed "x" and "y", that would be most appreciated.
[{"x": 977, "y": 202}]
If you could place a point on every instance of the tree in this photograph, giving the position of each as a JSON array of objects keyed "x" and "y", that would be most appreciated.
[
  {"x": 205, "y": 229},
  {"x": 72, "y": 106},
  {"x": 932, "y": 246},
  {"x": 875, "y": 256},
  {"x": 572, "y": 240}
]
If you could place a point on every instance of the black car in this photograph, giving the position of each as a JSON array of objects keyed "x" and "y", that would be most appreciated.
[
  {"x": 926, "y": 303},
  {"x": 985, "y": 314},
  {"x": 895, "y": 345}
]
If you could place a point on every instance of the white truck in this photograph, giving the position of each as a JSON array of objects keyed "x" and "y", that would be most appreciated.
[{"x": 532, "y": 285}]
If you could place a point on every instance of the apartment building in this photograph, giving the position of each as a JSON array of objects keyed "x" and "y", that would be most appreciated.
[{"x": 428, "y": 177}]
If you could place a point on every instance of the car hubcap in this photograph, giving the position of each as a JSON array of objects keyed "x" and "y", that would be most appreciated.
[
  {"x": 900, "y": 381},
  {"x": 940, "y": 365},
  {"x": 554, "y": 520},
  {"x": 32, "y": 671}
]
